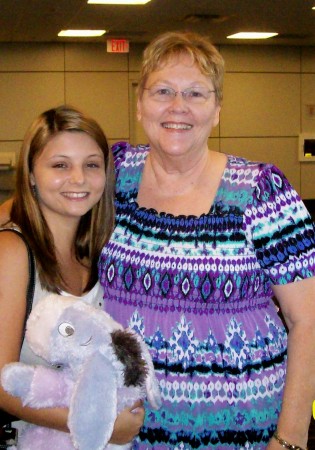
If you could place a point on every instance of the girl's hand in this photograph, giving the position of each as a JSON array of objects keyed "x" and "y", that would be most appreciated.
[{"x": 128, "y": 424}]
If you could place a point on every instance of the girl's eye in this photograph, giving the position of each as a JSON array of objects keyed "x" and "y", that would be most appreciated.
[
  {"x": 93, "y": 165},
  {"x": 59, "y": 166}
]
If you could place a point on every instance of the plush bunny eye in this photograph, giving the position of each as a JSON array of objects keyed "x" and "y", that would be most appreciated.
[{"x": 66, "y": 329}]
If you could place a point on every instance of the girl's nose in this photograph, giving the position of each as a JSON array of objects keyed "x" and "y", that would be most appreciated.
[{"x": 77, "y": 175}]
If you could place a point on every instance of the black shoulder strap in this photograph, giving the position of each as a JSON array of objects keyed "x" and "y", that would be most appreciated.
[{"x": 31, "y": 280}]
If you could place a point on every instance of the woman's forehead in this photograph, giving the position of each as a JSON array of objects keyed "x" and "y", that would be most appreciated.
[
  {"x": 184, "y": 58},
  {"x": 173, "y": 59}
]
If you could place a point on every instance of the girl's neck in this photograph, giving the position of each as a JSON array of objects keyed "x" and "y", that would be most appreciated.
[{"x": 75, "y": 273}]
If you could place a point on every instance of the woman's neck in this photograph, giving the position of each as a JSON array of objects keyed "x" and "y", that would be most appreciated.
[
  {"x": 181, "y": 192},
  {"x": 177, "y": 175}
]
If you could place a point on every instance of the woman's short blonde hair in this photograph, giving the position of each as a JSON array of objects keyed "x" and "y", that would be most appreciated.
[{"x": 173, "y": 44}]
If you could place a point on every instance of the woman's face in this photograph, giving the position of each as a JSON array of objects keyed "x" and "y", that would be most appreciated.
[
  {"x": 178, "y": 126},
  {"x": 69, "y": 175}
]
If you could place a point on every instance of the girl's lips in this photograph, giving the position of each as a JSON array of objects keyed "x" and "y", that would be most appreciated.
[{"x": 75, "y": 195}]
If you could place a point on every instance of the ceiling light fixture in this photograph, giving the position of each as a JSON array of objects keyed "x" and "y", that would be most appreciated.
[
  {"x": 81, "y": 33},
  {"x": 251, "y": 35},
  {"x": 118, "y": 2}
]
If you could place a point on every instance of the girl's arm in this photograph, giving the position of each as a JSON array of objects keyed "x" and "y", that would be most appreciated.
[{"x": 14, "y": 275}]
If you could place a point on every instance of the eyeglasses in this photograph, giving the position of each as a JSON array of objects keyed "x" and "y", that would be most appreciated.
[{"x": 194, "y": 95}]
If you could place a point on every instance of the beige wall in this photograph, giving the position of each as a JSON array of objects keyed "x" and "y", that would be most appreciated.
[{"x": 266, "y": 93}]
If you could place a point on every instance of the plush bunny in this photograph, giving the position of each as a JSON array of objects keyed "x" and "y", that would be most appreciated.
[{"x": 97, "y": 369}]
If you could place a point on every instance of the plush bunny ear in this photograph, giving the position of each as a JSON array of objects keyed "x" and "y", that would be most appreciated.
[
  {"x": 93, "y": 406},
  {"x": 151, "y": 383}
]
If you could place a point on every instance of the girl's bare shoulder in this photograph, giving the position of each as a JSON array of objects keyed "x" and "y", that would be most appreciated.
[{"x": 12, "y": 246}]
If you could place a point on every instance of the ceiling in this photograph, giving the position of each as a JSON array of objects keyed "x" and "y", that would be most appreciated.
[{"x": 41, "y": 20}]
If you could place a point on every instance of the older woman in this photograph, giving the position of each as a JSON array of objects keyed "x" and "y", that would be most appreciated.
[{"x": 203, "y": 242}]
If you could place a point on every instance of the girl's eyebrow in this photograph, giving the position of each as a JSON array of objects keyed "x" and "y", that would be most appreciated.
[{"x": 61, "y": 155}]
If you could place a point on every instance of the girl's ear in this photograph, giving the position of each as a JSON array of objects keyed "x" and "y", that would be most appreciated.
[{"x": 32, "y": 179}]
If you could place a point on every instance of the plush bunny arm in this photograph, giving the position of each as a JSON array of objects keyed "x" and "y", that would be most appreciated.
[
  {"x": 37, "y": 386},
  {"x": 93, "y": 406},
  {"x": 16, "y": 379}
]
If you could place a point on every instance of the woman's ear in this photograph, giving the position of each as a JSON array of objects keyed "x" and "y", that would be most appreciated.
[
  {"x": 139, "y": 115},
  {"x": 217, "y": 116}
]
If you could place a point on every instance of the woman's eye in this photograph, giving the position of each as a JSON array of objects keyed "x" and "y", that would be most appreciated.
[
  {"x": 196, "y": 94},
  {"x": 165, "y": 92},
  {"x": 93, "y": 165}
]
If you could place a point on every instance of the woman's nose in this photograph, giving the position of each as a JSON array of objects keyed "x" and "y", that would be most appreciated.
[{"x": 178, "y": 102}]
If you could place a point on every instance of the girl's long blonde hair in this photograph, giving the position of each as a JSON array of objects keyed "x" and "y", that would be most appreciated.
[{"x": 95, "y": 226}]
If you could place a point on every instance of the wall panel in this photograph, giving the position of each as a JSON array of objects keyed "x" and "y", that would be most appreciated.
[
  {"x": 261, "y": 104},
  {"x": 104, "y": 96},
  {"x": 24, "y": 96}
]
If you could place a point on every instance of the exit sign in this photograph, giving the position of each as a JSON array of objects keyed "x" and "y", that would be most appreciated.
[{"x": 118, "y": 46}]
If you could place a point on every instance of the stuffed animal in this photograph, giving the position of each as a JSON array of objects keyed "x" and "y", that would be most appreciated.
[{"x": 96, "y": 369}]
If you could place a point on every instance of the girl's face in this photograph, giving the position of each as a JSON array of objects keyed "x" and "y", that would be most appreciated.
[
  {"x": 69, "y": 176},
  {"x": 178, "y": 126}
]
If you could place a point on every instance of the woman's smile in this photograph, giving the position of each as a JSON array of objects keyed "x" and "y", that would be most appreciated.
[{"x": 176, "y": 126}]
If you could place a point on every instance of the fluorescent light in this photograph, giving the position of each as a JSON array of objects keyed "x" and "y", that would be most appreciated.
[
  {"x": 81, "y": 33},
  {"x": 251, "y": 35},
  {"x": 118, "y": 2}
]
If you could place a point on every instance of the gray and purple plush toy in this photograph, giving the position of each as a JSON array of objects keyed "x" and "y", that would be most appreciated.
[{"x": 97, "y": 369}]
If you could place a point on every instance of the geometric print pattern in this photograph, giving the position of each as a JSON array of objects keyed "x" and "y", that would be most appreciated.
[{"x": 199, "y": 291}]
